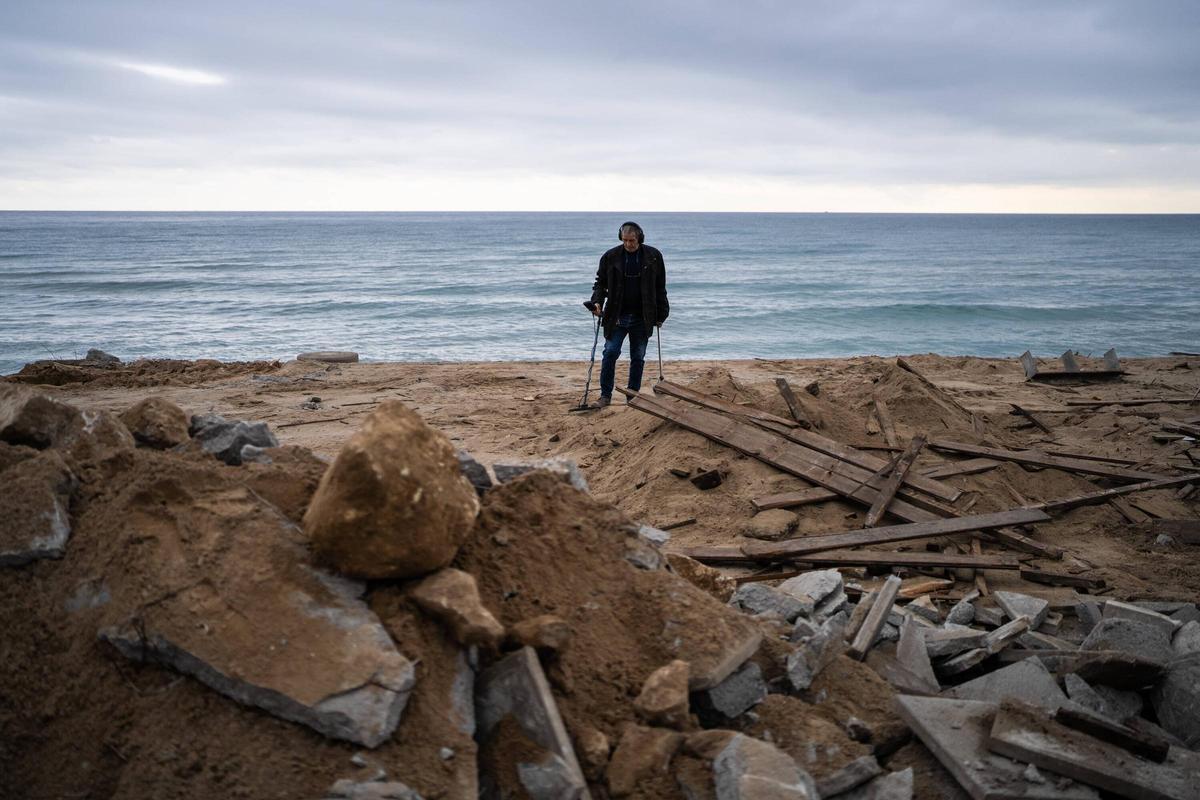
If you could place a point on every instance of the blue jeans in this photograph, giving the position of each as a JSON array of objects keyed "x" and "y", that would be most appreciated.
[{"x": 630, "y": 325}]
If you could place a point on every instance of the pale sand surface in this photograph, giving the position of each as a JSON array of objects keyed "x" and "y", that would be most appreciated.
[{"x": 506, "y": 411}]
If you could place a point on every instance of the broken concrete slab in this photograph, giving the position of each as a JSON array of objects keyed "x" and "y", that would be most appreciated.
[
  {"x": 1176, "y": 700},
  {"x": 816, "y": 585},
  {"x": 1116, "y": 668},
  {"x": 1030, "y": 735},
  {"x": 815, "y": 652},
  {"x": 382, "y": 789},
  {"x": 550, "y": 778},
  {"x": 913, "y": 654},
  {"x": 1114, "y": 704},
  {"x": 854, "y": 774},
  {"x": 224, "y": 439},
  {"x": 565, "y": 468},
  {"x": 516, "y": 686},
  {"x": 452, "y": 597},
  {"x": 663, "y": 700},
  {"x": 991, "y": 617},
  {"x": 474, "y": 472},
  {"x": 1028, "y": 680},
  {"x": 757, "y": 598},
  {"x": 748, "y": 769},
  {"x": 923, "y": 606},
  {"x": 732, "y": 697},
  {"x": 35, "y": 507},
  {"x": 1014, "y": 605},
  {"x": 956, "y": 732},
  {"x": 354, "y": 684},
  {"x": 945, "y": 642},
  {"x": 1188, "y": 613},
  {"x": 1136, "y": 638},
  {"x": 1187, "y": 640},
  {"x": 1115, "y": 609},
  {"x": 892, "y": 786}
]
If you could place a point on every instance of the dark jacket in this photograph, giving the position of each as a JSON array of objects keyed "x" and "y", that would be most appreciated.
[{"x": 610, "y": 283}]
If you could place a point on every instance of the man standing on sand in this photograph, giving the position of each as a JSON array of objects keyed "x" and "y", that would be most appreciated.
[{"x": 633, "y": 281}]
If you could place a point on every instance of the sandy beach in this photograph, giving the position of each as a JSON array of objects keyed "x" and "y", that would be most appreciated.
[{"x": 519, "y": 411}]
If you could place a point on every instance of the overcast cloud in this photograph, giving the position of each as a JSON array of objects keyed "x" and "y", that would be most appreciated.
[{"x": 853, "y": 105}]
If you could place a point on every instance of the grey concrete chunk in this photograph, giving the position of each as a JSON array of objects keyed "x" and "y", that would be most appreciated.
[
  {"x": 517, "y": 686},
  {"x": 551, "y": 779},
  {"x": 913, "y": 655},
  {"x": 817, "y": 651},
  {"x": 1176, "y": 701},
  {"x": 1027, "y": 680},
  {"x": 961, "y": 662},
  {"x": 1187, "y": 640},
  {"x": 1188, "y": 613},
  {"x": 347, "y": 789},
  {"x": 474, "y": 472},
  {"x": 35, "y": 509},
  {"x": 1115, "y": 609},
  {"x": 756, "y": 598},
  {"x": 854, "y": 774},
  {"x": 564, "y": 467},
  {"x": 1014, "y": 605},
  {"x": 892, "y": 786},
  {"x": 956, "y": 732},
  {"x": 733, "y": 696},
  {"x": 963, "y": 612},
  {"x": 1089, "y": 615},
  {"x": 751, "y": 769},
  {"x": 924, "y": 607},
  {"x": 1115, "y": 704},
  {"x": 816, "y": 585},
  {"x": 355, "y": 683},
  {"x": 951, "y": 641},
  {"x": 88, "y": 594},
  {"x": 225, "y": 439},
  {"x": 986, "y": 615},
  {"x": 1138, "y": 639}
]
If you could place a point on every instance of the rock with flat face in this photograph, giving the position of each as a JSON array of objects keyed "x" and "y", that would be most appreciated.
[
  {"x": 34, "y": 506},
  {"x": 32, "y": 419},
  {"x": 226, "y": 439},
  {"x": 1027, "y": 680},
  {"x": 545, "y": 633},
  {"x": 817, "y": 585},
  {"x": 1014, "y": 605},
  {"x": 394, "y": 504},
  {"x": 157, "y": 423},
  {"x": 733, "y": 696},
  {"x": 1135, "y": 638},
  {"x": 641, "y": 753},
  {"x": 755, "y": 598},
  {"x": 772, "y": 525},
  {"x": 664, "y": 696},
  {"x": 748, "y": 769},
  {"x": 452, "y": 597}
]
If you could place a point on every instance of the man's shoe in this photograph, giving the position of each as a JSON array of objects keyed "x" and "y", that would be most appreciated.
[{"x": 604, "y": 401}]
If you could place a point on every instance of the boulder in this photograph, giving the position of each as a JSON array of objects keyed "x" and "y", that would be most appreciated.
[
  {"x": 452, "y": 597},
  {"x": 33, "y": 419},
  {"x": 664, "y": 697},
  {"x": 394, "y": 504},
  {"x": 225, "y": 439},
  {"x": 156, "y": 422}
]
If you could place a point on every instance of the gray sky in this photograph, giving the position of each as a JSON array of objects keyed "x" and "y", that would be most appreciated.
[{"x": 855, "y": 105}]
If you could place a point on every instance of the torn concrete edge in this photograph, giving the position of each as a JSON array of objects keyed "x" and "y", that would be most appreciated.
[
  {"x": 517, "y": 685},
  {"x": 366, "y": 715}
]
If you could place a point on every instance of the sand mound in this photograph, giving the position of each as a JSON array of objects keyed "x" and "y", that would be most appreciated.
[{"x": 144, "y": 372}]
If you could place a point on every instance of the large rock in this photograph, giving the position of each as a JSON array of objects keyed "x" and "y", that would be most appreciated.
[
  {"x": 228, "y": 439},
  {"x": 394, "y": 504},
  {"x": 452, "y": 597},
  {"x": 733, "y": 696},
  {"x": 815, "y": 652},
  {"x": 642, "y": 753},
  {"x": 702, "y": 576},
  {"x": 664, "y": 696},
  {"x": 1135, "y": 638},
  {"x": 33, "y": 419},
  {"x": 157, "y": 423},
  {"x": 223, "y": 593},
  {"x": 34, "y": 506},
  {"x": 756, "y": 598}
]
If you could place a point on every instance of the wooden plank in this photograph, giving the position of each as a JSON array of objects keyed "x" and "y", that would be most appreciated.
[
  {"x": 1141, "y": 401},
  {"x": 1083, "y": 376},
  {"x": 1052, "y": 506},
  {"x": 1126, "y": 462},
  {"x": 777, "y": 451},
  {"x": 886, "y": 424},
  {"x": 1180, "y": 427},
  {"x": 915, "y": 587},
  {"x": 971, "y": 466},
  {"x": 811, "y": 440},
  {"x": 670, "y": 526},
  {"x": 794, "y": 407},
  {"x": 865, "y": 639},
  {"x": 1019, "y": 411},
  {"x": 1106, "y": 730},
  {"x": 1019, "y": 541},
  {"x": 1039, "y": 459},
  {"x": 1132, "y": 516},
  {"x": 719, "y": 554},
  {"x": 980, "y": 581},
  {"x": 892, "y": 483},
  {"x": 1057, "y": 579},
  {"x": 797, "y": 548},
  {"x": 717, "y": 404},
  {"x": 1185, "y": 530},
  {"x": 716, "y": 554},
  {"x": 802, "y": 497}
]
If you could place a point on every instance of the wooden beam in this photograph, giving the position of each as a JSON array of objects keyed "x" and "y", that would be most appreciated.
[
  {"x": 909, "y": 368},
  {"x": 1057, "y": 579},
  {"x": 886, "y": 425},
  {"x": 1180, "y": 427},
  {"x": 797, "y": 548},
  {"x": 730, "y": 554},
  {"x": 1022, "y": 412},
  {"x": 980, "y": 581},
  {"x": 797, "y": 410},
  {"x": 865, "y": 639},
  {"x": 892, "y": 483},
  {"x": 802, "y": 497},
  {"x": 1052, "y": 506},
  {"x": 811, "y": 440},
  {"x": 1126, "y": 462},
  {"x": 971, "y": 466},
  {"x": 1019, "y": 541},
  {"x": 1039, "y": 459},
  {"x": 1138, "y": 401},
  {"x": 777, "y": 451}
]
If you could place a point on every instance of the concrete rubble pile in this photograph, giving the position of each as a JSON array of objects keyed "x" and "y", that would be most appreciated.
[{"x": 409, "y": 631}]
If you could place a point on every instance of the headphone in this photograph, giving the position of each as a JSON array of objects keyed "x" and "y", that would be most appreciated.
[{"x": 641, "y": 235}]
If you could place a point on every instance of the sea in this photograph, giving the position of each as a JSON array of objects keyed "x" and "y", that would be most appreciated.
[{"x": 511, "y": 286}]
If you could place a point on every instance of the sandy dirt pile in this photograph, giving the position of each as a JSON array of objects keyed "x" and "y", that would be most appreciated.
[{"x": 185, "y": 619}]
